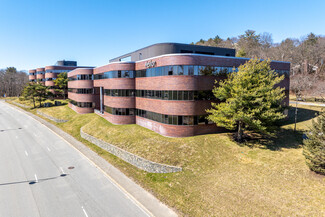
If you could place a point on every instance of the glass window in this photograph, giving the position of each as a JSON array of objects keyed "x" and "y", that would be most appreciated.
[
  {"x": 180, "y": 70},
  {"x": 175, "y": 70},
  {"x": 191, "y": 95},
  {"x": 196, "y": 70},
  {"x": 179, "y": 120},
  {"x": 185, "y": 95},
  {"x": 170, "y": 95},
  {"x": 175, "y": 94},
  {"x": 180, "y": 95},
  {"x": 175, "y": 120},
  {"x": 185, "y": 68},
  {"x": 170, "y": 70},
  {"x": 165, "y": 95}
]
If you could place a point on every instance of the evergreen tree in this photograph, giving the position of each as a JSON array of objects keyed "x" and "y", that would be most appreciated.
[
  {"x": 36, "y": 92},
  {"x": 29, "y": 92},
  {"x": 249, "y": 99},
  {"x": 42, "y": 93},
  {"x": 314, "y": 146},
  {"x": 62, "y": 83}
]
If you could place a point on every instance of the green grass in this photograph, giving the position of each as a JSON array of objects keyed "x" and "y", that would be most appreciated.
[{"x": 219, "y": 177}]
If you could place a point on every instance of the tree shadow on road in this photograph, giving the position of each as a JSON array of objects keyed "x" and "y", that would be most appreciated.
[{"x": 31, "y": 182}]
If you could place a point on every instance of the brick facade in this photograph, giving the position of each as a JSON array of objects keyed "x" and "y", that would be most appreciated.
[{"x": 167, "y": 82}]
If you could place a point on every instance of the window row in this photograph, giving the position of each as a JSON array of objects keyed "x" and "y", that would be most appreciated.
[
  {"x": 120, "y": 111},
  {"x": 176, "y": 94},
  {"x": 32, "y": 73},
  {"x": 172, "y": 70},
  {"x": 162, "y": 94},
  {"x": 174, "y": 119},
  {"x": 40, "y": 79},
  {"x": 161, "y": 118},
  {"x": 81, "y": 77},
  {"x": 83, "y": 104},
  {"x": 115, "y": 74},
  {"x": 184, "y": 70},
  {"x": 81, "y": 91},
  {"x": 40, "y": 72},
  {"x": 56, "y": 71},
  {"x": 50, "y": 79},
  {"x": 119, "y": 92}
]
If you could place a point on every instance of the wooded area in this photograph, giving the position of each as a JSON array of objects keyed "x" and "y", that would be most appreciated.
[
  {"x": 12, "y": 82},
  {"x": 306, "y": 55}
]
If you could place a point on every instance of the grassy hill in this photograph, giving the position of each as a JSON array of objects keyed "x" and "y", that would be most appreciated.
[{"x": 219, "y": 177}]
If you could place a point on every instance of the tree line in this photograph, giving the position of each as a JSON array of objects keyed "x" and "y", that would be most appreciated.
[
  {"x": 12, "y": 81},
  {"x": 306, "y": 55}
]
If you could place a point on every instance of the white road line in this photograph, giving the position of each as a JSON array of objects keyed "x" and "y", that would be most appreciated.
[
  {"x": 84, "y": 211},
  {"x": 122, "y": 189},
  {"x": 48, "y": 149},
  {"x": 62, "y": 170},
  {"x": 26, "y": 153},
  {"x": 36, "y": 180}
]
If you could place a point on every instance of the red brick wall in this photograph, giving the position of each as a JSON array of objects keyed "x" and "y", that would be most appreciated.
[
  {"x": 80, "y": 84},
  {"x": 204, "y": 60},
  {"x": 115, "y": 66},
  {"x": 80, "y": 71},
  {"x": 119, "y": 102},
  {"x": 115, "y": 83},
  {"x": 176, "y": 130},
  {"x": 49, "y": 83},
  {"x": 51, "y": 75},
  {"x": 81, "y": 110},
  {"x": 167, "y": 83},
  {"x": 81, "y": 97},
  {"x": 40, "y": 76},
  {"x": 119, "y": 119},
  {"x": 171, "y": 107},
  {"x": 175, "y": 82}
]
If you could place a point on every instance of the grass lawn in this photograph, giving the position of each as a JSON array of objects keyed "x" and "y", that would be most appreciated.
[{"x": 219, "y": 177}]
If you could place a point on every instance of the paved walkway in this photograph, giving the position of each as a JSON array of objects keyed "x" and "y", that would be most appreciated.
[{"x": 308, "y": 103}]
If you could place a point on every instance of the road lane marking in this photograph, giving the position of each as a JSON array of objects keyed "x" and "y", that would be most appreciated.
[
  {"x": 84, "y": 211},
  {"x": 36, "y": 180},
  {"x": 62, "y": 170},
  {"x": 48, "y": 149},
  {"x": 122, "y": 189},
  {"x": 26, "y": 153}
]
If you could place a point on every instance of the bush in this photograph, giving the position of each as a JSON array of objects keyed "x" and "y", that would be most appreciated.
[{"x": 314, "y": 146}]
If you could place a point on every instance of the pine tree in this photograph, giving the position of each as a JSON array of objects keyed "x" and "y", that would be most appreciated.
[
  {"x": 314, "y": 146},
  {"x": 249, "y": 99},
  {"x": 62, "y": 83},
  {"x": 29, "y": 92},
  {"x": 36, "y": 92}
]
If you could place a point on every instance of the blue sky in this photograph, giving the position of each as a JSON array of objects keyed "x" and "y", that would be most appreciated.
[{"x": 38, "y": 33}]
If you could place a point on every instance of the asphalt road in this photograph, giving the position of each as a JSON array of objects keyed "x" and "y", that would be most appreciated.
[{"x": 35, "y": 179}]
